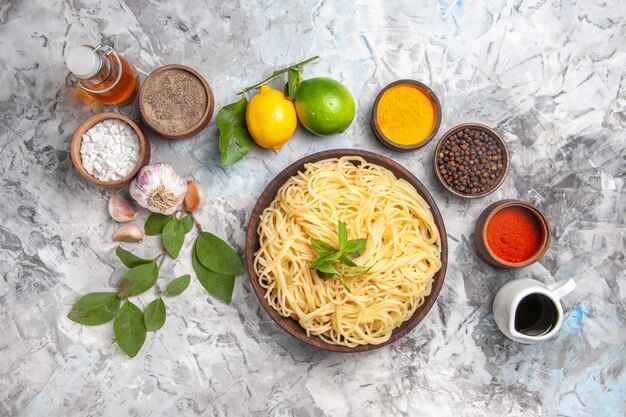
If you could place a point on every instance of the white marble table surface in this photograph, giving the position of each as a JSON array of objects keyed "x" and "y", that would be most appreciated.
[{"x": 549, "y": 75}]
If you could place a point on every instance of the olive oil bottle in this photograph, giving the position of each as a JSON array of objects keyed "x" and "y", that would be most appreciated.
[{"x": 102, "y": 73}]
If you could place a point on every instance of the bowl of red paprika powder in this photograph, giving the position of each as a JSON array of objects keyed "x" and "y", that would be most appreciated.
[{"x": 512, "y": 234}]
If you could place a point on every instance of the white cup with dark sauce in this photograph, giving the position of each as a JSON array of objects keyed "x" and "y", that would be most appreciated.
[{"x": 528, "y": 311}]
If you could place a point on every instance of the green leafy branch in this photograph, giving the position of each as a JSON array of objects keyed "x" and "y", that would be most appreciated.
[
  {"x": 215, "y": 263},
  {"x": 329, "y": 258},
  {"x": 293, "y": 68},
  {"x": 235, "y": 140}
]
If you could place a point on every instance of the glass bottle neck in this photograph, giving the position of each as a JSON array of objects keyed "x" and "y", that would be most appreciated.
[{"x": 105, "y": 76}]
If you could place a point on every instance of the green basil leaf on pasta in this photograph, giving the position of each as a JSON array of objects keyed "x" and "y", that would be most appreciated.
[
  {"x": 342, "y": 233},
  {"x": 347, "y": 261},
  {"x": 355, "y": 246},
  {"x": 344, "y": 285},
  {"x": 325, "y": 260},
  {"x": 322, "y": 248},
  {"x": 358, "y": 273},
  {"x": 328, "y": 268}
]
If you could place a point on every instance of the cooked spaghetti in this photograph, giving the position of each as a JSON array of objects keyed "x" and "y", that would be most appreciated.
[{"x": 403, "y": 250}]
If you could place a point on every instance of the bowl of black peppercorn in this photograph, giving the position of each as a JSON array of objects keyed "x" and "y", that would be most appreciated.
[{"x": 471, "y": 160}]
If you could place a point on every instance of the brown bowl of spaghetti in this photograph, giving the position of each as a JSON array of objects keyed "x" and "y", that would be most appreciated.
[{"x": 401, "y": 258}]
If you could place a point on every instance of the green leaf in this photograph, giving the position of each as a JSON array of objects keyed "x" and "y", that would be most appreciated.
[
  {"x": 355, "y": 246},
  {"x": 322, "y": 248},
  {"x": 325, "y": 260},
  {"x": 173, "y": 237},
  {"x": 95, "y": 308},
  {"x": 155, "y": 223},
  {"x": 328, "y": 268},
  {"x": 235, "y": 141},
  {"x": 178, "y": 285},
  {"x": 217, "y": 256},
  {"x": 347, "y": 261},
  {"x": 129, "y": 329},
  {"x": 138, "y": 280},
  {"x": 218, "y": 285},
  {"x": 294, "y": 79},
  {"x": 129, "y": 259},
  {"x": 327, "y": 263},
  {"x": 342, "y": 233},
  {"x": 344, "y": 285},
  {"x": 187, "y": 223},
  {"x": 358, "y": 273},
  {"x": 154, "y": 315}
]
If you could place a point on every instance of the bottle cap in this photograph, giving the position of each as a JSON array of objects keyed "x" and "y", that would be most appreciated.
[{"x": 83, "y": 62}]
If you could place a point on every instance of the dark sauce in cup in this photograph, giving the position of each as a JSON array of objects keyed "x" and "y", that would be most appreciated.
[{"x": 536, "y": 315}]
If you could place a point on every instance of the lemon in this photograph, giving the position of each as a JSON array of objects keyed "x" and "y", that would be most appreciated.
[
  {"x": 324, "y": 106},
  {"x": 271, "y": 118}
]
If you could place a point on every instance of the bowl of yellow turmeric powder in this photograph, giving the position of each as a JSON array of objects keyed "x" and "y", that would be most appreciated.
[{"x": 406, "y": 115}]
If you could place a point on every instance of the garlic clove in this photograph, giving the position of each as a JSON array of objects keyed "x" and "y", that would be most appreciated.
[
  {"x": 194, "y": 199},
  {"x": 120, "y": 209},
  {"x": 158, "y": 188},
  {"x": 128, "y": 233}
]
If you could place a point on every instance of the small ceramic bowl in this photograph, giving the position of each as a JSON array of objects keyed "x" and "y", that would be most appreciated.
[
  {"x": 77, "y": 139},
  {"x": 151, "y": 82},
  {"x": 480, "y": 233},
  {"x": 384, "y": 139},
  {"x": 489, "y": 131}
]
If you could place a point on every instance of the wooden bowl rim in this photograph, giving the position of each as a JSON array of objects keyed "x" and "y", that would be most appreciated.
[
  {"x": 378, "y": 132},
  {"x": 492, "y": 131},
  {"x": 88, "y": 123},
  {"x": 269, "y": 193},
  {"x": 206, "y": 116},
  {"x": 488, "y": 214}
]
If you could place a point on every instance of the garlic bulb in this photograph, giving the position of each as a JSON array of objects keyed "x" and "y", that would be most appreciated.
[
  {"x": 194, "y": 199},
  {"x": 128, "y": 233},
  {"x": 120, "y": 209},
  {"x": 158, "y": 188}
]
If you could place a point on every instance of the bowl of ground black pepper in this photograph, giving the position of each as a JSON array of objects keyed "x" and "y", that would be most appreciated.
[
  {"x": 471, "y": 160},
  {"x": 176, "y": 101}
]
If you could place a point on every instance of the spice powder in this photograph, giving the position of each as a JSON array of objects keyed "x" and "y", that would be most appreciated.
[
  {"x": 406, "y": 114},
  {"x": 174, "y": 102},
  {"x": 514, "y": 234}
]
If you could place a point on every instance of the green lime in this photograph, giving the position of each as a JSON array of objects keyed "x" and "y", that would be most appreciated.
[{"x": 324, "y": 106}]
